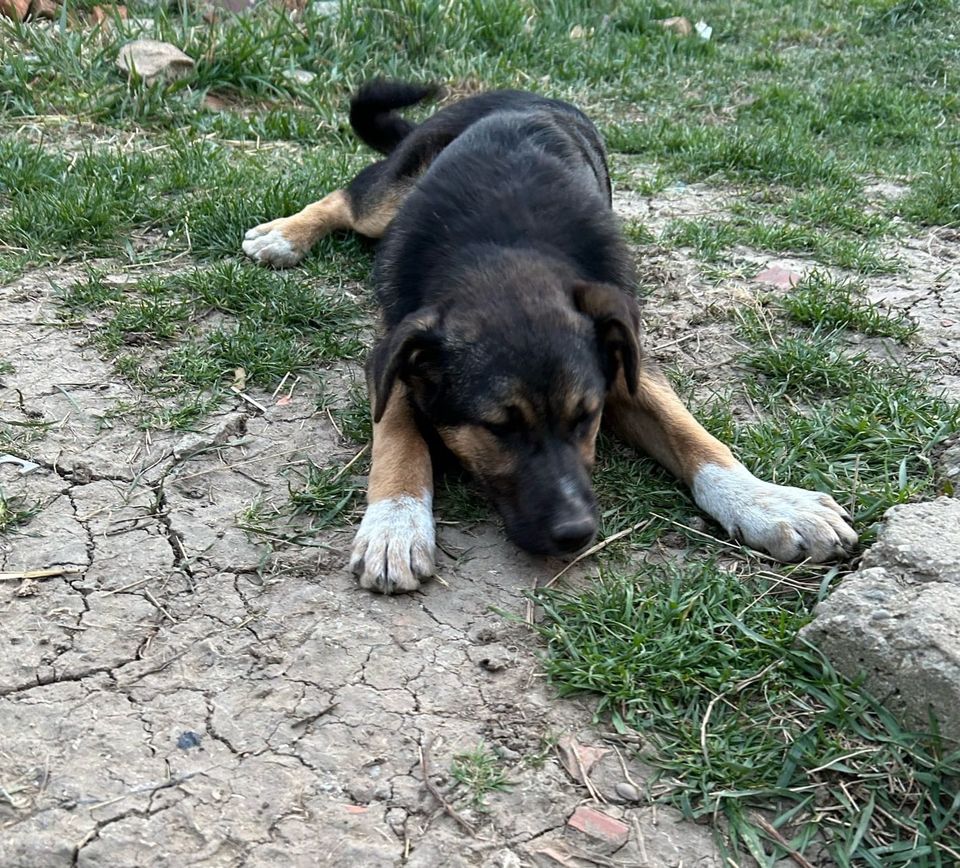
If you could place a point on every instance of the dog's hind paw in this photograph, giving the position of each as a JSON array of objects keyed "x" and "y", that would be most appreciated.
[
  {"x": 394, "y": 547},
  {"x": 790, "y": 524},
  {"x": 268, "y": 245}
]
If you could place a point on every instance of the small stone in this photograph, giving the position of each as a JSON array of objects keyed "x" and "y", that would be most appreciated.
[
  {"x": 188, "y": 739},
  {"x": 601, "y": 826},
  {"x": 678, "y": 24},
  {"x": 627, "y": 792},
  {"x": 299, "y": 76},
  {"x": 151, "y": 59}
]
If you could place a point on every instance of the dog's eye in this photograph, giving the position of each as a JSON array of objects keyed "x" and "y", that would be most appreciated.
[
  {"x": 583, "y": 421},
  {"x": 513, "y": 423}
]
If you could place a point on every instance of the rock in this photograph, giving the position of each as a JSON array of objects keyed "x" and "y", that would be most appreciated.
[
  {"x": 151, "y": 59},
  {"x": 782, "y": 278},
  {"x": 218, "y": 432},
  {"x": 921, "y": 541},
  {"x": 611, "y": 831},
  {"x": 896, "y": 621},
  {"x": 15, "y": 9},
  {"x": 299, "y": 76},
  {"x": 627, "y": 792},
  {"x": 678, "y": 24},
  {"x": 949, "y": 467}
]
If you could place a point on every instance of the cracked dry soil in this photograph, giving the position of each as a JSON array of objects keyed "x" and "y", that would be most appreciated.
[{"x": 184, "y": 695}]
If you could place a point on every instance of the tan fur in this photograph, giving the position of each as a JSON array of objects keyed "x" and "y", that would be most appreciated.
[
  {"x": 479, "y": 450},
  {"x": 400, "y": 463},
  {"x": 588, "y": 446},
  {"x": 308, "y": 226},
  {"x": 655, "y": 420},
  {"x": 334, "y": 213},
  {"x": 375, "y": 219}
]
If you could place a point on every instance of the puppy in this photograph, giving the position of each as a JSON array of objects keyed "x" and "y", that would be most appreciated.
[{"x": 511, "y": 329}]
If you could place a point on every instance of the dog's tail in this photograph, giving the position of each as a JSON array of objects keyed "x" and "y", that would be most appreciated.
[{"x": 372, "y": 111}]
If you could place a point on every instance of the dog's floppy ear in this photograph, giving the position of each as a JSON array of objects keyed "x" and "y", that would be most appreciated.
[
  {"x": 409, "y": 353},
  {"x": 617, "y": 319}
]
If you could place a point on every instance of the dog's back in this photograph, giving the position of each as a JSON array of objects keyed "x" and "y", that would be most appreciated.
[{"x": 516, "y": 171}]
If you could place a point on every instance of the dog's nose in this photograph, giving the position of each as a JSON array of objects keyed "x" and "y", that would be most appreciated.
[{"x": 573, "y": 534}]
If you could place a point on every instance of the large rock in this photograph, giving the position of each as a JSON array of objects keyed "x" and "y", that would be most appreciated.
[
  {"x": 896, "y": 620},
  {"x": 151, "y": 59}
]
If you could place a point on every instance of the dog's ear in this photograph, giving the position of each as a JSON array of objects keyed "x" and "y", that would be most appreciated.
[
  {"x": 616, "y": 317},
  {"x": 410, "y": 353}
]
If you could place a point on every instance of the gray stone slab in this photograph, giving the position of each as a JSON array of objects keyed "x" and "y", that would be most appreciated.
[{"x": 896, "y": 621}]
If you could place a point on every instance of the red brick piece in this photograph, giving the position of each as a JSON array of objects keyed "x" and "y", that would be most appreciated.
[
  {"x": 777, "y": 276},
  {"x": 599, "y": 825}
]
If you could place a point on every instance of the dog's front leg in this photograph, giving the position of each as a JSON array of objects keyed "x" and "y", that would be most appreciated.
[
  {"x": 791, "y": 524},
  {"x": 394, "y": 547}
]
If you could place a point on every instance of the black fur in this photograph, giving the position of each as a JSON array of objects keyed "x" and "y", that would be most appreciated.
[{"x": 480, "y": 279}]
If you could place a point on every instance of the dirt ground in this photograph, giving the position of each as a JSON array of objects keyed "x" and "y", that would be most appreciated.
[{"x": 184, "y": 695}]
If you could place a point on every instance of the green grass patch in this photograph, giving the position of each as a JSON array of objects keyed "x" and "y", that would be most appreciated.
[
  {"x": 713, "y": 240},
  {"x": 15, "y": 512},
  {"x": 741, "y": 715},
  {"x": 185, "y": 336},
  {"x": 480, "y": 773},
  {"x": 819, "y": 301},
  {"x": 934, "y": 198}
]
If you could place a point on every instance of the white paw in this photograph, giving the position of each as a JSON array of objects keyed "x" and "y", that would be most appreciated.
[
  {"x": 268, "y": 245},
  {"x": 394, "y": 547},
  {"x": 790, "y": 524}
]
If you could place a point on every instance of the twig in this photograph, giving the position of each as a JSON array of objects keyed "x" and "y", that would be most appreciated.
[
  {"x": 771, "y": 830},
  {"x": 249, "y": 400},
  {"x": 590, "y": 551},
  {"x": 435, "y": 791},
  {"x": 17, "y": 575},
  {"x": 350, "y": 463},
  {"x": 156, "y": 603},
  {"x": 735, "y": 689}
]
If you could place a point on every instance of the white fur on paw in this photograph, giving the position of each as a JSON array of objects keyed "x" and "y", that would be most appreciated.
[
  {"x": 268, "y": 245},
  {"x": 790, "y": 524},
  {"x": 394, "y": 547}
]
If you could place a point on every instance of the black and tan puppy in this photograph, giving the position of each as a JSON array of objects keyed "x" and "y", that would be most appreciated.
[{"x": 510, "y": 328}]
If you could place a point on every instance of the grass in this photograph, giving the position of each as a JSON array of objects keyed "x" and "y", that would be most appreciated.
[
  {"x": 795, "y": 108},
  {"x": 822, "y": 302},
  {"x": 742, "y": 716},
  {"x": 14, "y": 512},
  {"x": 480, "y": 773},
  {"x": 187, "y": 335}
]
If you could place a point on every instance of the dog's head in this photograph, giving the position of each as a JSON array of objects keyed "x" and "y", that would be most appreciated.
[{"x": 514, "y": 384}]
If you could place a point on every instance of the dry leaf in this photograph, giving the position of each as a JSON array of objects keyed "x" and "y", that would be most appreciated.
[{"x": 577, "y": 758}]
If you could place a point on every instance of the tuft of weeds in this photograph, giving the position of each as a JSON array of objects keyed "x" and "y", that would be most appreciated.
[
  {"x": 822, "y": 302},
  {"x": 713, "y": 239},
  {"x": 934, "y": 197},
  {"x": 14, "y": 512},
  {"x": 480, "y": 773},
  {"x": 740, "y": 714},
  {"x": 228, "y": 316},
  {"x": 328, "y": 496}
]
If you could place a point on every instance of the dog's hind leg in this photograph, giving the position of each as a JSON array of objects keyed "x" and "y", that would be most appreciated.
[
  {"x": 394, "y": 547},
  {"x": 791, "y": 524},
  {"x": 366, "y": 206}
]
